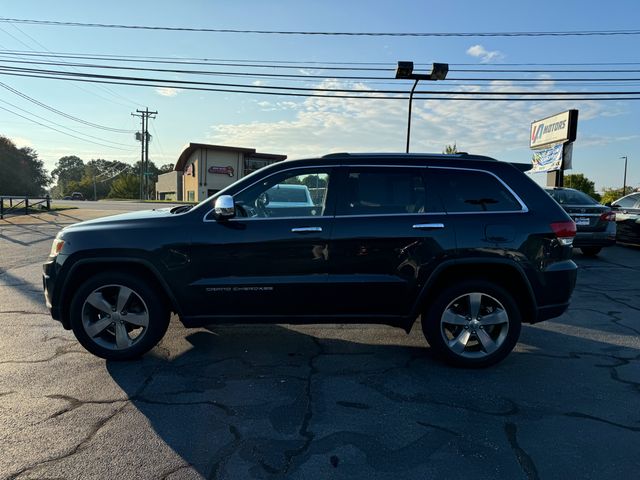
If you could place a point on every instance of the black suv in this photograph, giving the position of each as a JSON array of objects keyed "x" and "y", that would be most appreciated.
[{"x": 470, "y": 244}]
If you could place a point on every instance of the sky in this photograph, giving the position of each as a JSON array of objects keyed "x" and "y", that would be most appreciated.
[{"x": 304, "y": 127}]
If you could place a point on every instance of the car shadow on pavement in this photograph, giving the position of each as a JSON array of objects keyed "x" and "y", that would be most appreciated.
[{"x": 271, "y": 401}]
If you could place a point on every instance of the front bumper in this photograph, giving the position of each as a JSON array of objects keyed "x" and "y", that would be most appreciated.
[{"x": 49, "y": 275}]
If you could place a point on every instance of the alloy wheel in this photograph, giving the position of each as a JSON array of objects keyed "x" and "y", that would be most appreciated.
[
  {"x": 115, "y": 317},
  {"x": 474, "y": 325}
]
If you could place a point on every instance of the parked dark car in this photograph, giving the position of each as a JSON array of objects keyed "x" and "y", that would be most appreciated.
[
  {"x": 628, "y": 218},
  {"x": 596, "y": 223},
  {"x": 470, "y": 244},
  {"x": 75, "y": 196}
]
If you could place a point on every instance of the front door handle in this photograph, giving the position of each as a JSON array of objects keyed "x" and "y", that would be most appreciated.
[
  {"x": 428, "y": 226},
  {"x": 306, "y": 229}
]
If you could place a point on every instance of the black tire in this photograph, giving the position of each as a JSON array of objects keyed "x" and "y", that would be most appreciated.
[
  {"x": 144, "y": 297},
  {"x": 590, "y": 251},
  {"x": 495, "y": 304}
]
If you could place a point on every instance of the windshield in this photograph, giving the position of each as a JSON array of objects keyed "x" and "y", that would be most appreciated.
[{"x": 571, "y": 197}]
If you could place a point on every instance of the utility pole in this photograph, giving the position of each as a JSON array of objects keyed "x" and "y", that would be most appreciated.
[
  {"x": 143, "y": 137},
  {"x": 624, "y": 180}
]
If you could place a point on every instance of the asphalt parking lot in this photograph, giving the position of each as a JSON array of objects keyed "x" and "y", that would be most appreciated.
[{"x": 318, "y": 402}]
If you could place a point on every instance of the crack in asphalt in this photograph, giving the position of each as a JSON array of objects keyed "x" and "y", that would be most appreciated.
[
  {"x": 524, "y": 460},
  {"x": 223, "y": 455},
  {"x": 438, "y": 427},
  {"x": 226, "y": 409},
  {"x": 421, "y": 398},
  {"x": 166, "y": 475},
  {"x": 60, "y": 351},
  {"x": 24, "y": 312},
  {"x": 304, "y": 431},
  {"x": 610, "y": 298},
  {"x": 598, "y": 419},
  {"x": 95, "y": 429},
  {"x": 77, "y": 448}
]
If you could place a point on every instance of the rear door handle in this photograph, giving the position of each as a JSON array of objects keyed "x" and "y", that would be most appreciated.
[
  {"x": 428, "y": 226},
  {"x": 306, "y": 229}
]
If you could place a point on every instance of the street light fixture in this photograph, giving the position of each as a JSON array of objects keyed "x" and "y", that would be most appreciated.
[
  {"x": 624, "y": 181},
  {"x": 404, "y": 71}
]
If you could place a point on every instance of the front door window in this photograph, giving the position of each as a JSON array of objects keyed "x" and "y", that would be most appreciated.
[{"x": 290, "y": 194}]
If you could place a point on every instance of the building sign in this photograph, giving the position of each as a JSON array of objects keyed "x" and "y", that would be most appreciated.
[
  {"x": 548, "y": 159},
  {"x": 228, "y": 170},
  {"x": 558, "y": 128}
]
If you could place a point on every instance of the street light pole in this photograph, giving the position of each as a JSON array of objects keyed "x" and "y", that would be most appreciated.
[
  {"x": 624, "y": 180},
  {"x": 404, "y": 71},
  {"x": 413, "y": 89}
]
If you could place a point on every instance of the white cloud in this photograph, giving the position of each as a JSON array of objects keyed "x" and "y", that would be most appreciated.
[
  {"x": 21, "y": 142},
  {"x": 483, "y": 54},
  {"x": 324, "y": 125},
  {"x": 167, "y": 91}
]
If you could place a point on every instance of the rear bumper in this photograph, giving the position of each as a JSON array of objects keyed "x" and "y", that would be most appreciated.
[
  {"x": 595, "y": 239},
  {"x": 557, "y": 282},
  {"x": 550, "y": 311}
]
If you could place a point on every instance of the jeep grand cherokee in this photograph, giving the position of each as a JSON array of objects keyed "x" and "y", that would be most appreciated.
[{"x": 469, "y": 244}]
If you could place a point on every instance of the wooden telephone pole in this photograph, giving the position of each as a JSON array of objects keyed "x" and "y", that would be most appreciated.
[{"x": 143, "y": 137}]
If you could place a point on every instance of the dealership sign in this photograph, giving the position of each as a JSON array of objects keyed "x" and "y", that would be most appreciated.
[
  {"x": 222, "y": 170},
  {"x": 560, "y": 128}
]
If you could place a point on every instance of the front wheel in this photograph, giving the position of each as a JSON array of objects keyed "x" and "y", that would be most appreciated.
[
  {"x": 590, "y": 251},
  {"x": 473, "y": 324},
  {"x": 118, "y": 316}
]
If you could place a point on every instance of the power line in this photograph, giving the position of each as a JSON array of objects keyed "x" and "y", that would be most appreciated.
[
  {"x": 62, "y": 126},
  {"x": 103, "y": 87},
  {"x": 564, "y": 33},
  {"x": 59, "y": 112},
  {"x": 318, "y": 65},
  {"x": 304, "y": 76},
  {"x": 319, "y": 95},
  {"x": 77, "y": 86},
  {"x": 56, "y": 130},
  {"x": 291, "y": 88},
  {"x": 309, "y": 64}
]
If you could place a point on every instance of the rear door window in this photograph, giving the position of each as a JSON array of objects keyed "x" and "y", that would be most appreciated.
[
  {"x": 383, "y": 191},
  {"x": 471, "y": 191}
]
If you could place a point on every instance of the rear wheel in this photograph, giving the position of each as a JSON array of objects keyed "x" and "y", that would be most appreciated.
[
  {"x": 590, "y": 251},
  {"x": 473, "y": 324},
  {"x": 118, "y": 316}
]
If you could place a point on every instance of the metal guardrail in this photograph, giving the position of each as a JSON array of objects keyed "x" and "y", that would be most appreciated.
[{"x": 23, "y": 202}]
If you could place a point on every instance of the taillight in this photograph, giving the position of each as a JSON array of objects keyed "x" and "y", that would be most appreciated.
[
  {"x": 565, "y": 231},
  {"x": 608, "y": 217}
]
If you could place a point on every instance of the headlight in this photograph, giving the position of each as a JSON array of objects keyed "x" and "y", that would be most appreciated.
[{"x": 56, "y": 246}]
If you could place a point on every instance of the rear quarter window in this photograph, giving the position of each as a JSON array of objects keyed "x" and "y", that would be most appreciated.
[{"x": 471, "y": 191}]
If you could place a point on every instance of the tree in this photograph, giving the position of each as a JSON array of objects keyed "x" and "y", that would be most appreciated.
[
  {"x": 21, "y": 171},
  {"x": 612, "y": 194},
  {"x": 126, "y": 185},
  {"x": 450, "y": 149},
  {"x": 582, "y": 183},
  {"x": 68, "y": 169},
  {"x": 166, "y": 168}
]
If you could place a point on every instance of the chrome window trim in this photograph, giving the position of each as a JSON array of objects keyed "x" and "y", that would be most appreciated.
[
  {"x": 250, "y": 219},
  {"x": 390, "y": 214},
  {"x": 524, "y": 208}
]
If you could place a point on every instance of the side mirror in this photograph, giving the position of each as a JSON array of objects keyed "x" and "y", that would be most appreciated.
[{"x": 225, "y": 207}]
